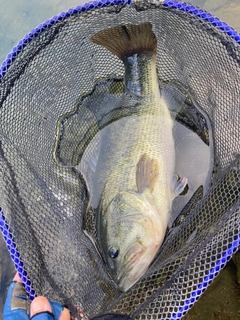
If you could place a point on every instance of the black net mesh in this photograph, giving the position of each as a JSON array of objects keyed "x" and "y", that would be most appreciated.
[{"x": 60, "y": 91}]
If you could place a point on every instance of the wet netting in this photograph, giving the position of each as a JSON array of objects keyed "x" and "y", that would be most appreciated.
[{"x": 58, "y": 90}]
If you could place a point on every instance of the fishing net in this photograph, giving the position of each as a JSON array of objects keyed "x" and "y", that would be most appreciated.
[{"x": 58, "y": 91}]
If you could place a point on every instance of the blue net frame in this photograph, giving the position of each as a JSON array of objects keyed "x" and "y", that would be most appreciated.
[{"x": 4, "y": 227}]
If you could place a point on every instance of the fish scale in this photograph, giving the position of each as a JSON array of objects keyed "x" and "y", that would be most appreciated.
[{"x": 136, "y": 162}]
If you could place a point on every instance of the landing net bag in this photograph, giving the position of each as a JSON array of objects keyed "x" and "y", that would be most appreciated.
[{"x": 55, "y": 96}]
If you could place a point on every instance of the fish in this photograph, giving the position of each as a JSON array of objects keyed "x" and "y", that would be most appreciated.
[{"x": 136, "y": 162}]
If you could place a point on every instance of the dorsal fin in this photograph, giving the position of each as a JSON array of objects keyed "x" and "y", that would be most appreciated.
[
  {"x": 126, "y": 40},
  {"x": 146, "y": 173}
]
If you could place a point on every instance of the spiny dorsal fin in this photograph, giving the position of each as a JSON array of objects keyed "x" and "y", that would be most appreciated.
[
  {"x": 146, "y": 173},
  {"x": 126, "y": 40}
]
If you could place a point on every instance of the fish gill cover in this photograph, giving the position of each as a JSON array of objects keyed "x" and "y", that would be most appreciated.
[{"x": 61, "y": 95}]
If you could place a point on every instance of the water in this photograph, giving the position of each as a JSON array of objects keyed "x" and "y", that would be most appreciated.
[
  {"x": 110, "y": 161},
  {"x": 18, "y": 17},
  {"x": 193, "y": 151}
]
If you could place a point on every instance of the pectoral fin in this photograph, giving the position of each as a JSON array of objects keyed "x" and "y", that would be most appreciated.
[
  {"x": 178, "y": 185},
  {"x": 146, "y": 173}
]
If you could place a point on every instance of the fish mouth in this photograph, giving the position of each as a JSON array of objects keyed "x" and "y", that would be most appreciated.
[
  {"x": 135, "y": 263},
  {"x": 132, "y": 269}
]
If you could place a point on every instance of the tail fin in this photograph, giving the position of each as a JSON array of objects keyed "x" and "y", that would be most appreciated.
[{"x": 126, "y": 40}]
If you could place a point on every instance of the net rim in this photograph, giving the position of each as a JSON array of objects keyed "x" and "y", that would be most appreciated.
[
  {"x": 91, "y": 6},
  {"x": 88, "y": 7}
]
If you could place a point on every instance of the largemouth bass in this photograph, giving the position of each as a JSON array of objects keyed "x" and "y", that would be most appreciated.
[{"x": 136, "y": 162}]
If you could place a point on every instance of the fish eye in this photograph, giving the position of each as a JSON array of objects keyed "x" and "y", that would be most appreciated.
[{"x": 113, "y": 252}]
